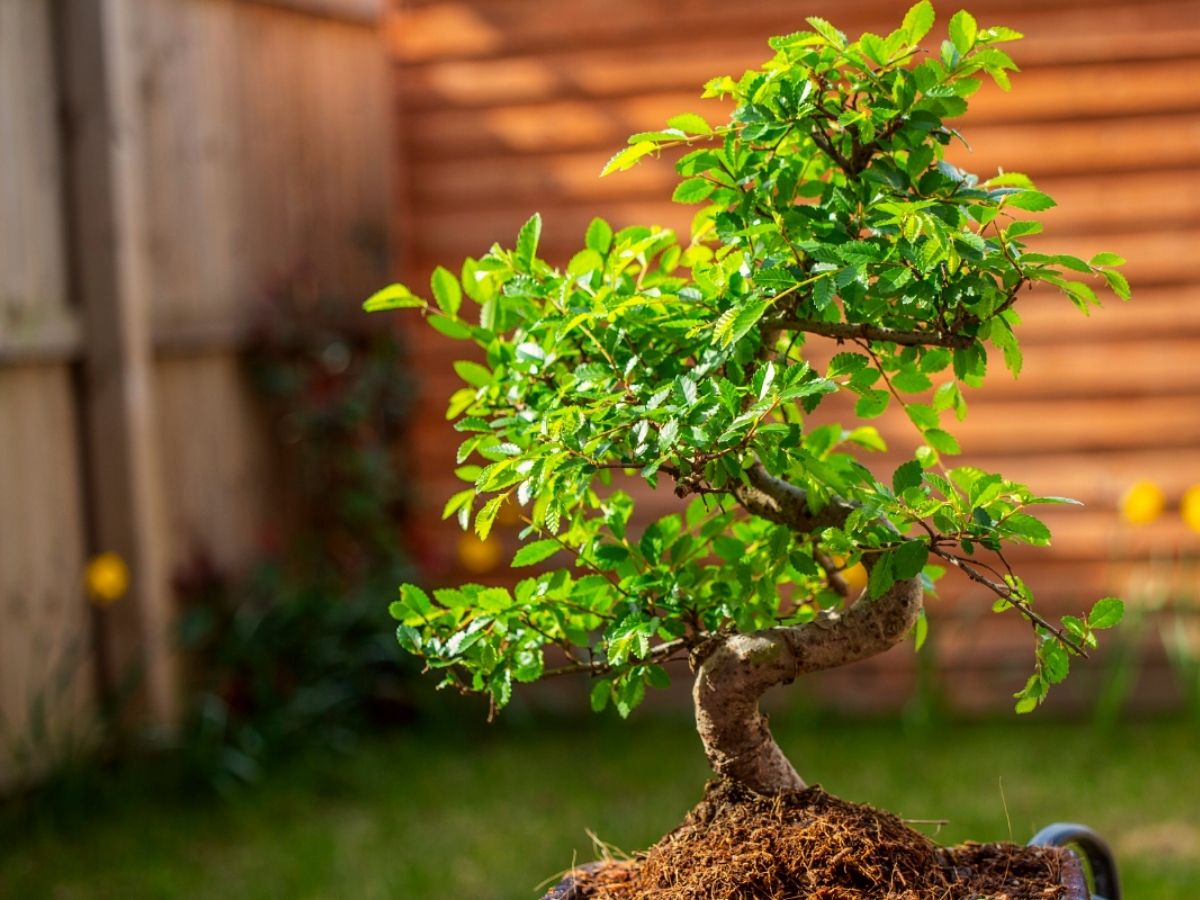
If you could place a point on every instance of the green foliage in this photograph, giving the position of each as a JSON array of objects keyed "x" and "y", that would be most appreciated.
[
  {"x": 296, "y": 653},
  {"x": 828, "y": 210}
]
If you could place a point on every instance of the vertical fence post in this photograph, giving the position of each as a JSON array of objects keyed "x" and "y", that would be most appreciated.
[{"x": 105, "y": 166}]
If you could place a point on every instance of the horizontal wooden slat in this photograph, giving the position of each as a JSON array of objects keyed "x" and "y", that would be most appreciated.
[
  {"x": 439, "y": 30},
  {"x": 356, "y": 12},
  {"x": 575, "y": 125},
  {"x": 459, "y": 90}
]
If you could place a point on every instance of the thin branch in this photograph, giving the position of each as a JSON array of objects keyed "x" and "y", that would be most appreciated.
[
  {"x": 1006, "y": 593},
  {"x": 863, "y": 331},
  {"x": 660, "y": 654}
]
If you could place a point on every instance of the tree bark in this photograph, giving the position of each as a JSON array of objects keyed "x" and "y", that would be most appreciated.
[{"x": 739, "y": 668}]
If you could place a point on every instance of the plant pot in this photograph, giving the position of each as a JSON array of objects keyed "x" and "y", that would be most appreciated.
[{"x": 1082, "y": 841}]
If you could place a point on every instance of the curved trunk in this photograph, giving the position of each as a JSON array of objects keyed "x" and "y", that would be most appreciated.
[{"x": 739, "y": 670}]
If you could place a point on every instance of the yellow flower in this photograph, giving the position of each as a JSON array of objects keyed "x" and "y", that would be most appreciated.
[
  {"x": 479, "y": 556},
  {"x": 1142, "y": 503},
  {"x": 1189, "y": 507},
  {"x": 106, "y": 578}
]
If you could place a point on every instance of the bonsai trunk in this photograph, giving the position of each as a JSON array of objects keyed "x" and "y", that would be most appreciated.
[{"x": 739, "y": 668}]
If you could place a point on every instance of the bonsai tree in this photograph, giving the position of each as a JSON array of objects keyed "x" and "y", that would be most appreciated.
[{"x": 828, "y": 216}]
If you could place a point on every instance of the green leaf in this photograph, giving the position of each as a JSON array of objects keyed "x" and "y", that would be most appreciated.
[
  {"x": 1056, "y": 664},
  {"x": 446, "y": 291},
  {"x": 1022, "y": 228},
  {"x": 1107, "y": 259},
  {"x": 1025, "y": 526},
  {"x": 599, "y": 236},
  {"x": 882, "y": 577},
  {"x": 693, "y": 190},
  {"x": 920, "y": 631},
  {"x": 1106, "y": 613},
  {"x": 963, "y": 30},
  {"x": 871, "y": 404},
  {"x": 600, "y": 694},
  {"x": 527, "y": 242},
  {"x": 628, "y": 158},
  {"x": 918, "y": 20},
  {"x": 909, "y": 559},
  {"x": 451, "y": 328},
  {"x": 740, "y": 320},
  {"x": 1117, "y": 283},
  {"x": 584, "y": 263},
  {"x": 690, "y": 123},
  {"x": 1030, "y": 201},
  {"x": 906, "y": 476},
  {"x": 535, "y": 552},
  {"x": 827, "y": 31},
  {"x": 942, "y": 441},
  {"x": 394, "y": 296},
  {"x": 487, "y": 515},
  {"x": 473, "y": 373}
]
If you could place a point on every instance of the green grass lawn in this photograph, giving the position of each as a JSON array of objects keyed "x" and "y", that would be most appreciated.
[{"x": 489, "y": 813}]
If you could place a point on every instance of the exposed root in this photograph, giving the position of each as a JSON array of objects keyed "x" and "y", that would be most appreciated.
[{"x": 738, "y": 845}]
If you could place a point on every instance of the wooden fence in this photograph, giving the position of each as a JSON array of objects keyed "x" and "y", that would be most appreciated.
[
  {"x": 514, "y": 105},
  {"x": 163, "y": 165}
]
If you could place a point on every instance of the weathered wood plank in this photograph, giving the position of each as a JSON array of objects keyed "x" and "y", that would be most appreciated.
[
  {"x": 107, "y": 204},
  {"x": 33, "y": 286},
  {"x": 270, "y": 131},
  {"x": 46, "y": 655},
  {"x": 219, "y": 486}
]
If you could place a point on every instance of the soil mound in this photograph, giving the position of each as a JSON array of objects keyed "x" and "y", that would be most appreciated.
[{"x": 738, "y": 845}]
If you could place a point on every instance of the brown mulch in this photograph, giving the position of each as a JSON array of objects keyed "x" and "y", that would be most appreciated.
[{"x": 737, "y": 845}]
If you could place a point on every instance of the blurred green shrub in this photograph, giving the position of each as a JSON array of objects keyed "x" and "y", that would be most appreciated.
[{"x": 299, "y": 651}]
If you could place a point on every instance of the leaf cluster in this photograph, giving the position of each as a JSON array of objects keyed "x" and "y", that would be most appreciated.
[{"x": 827, "y": 210}]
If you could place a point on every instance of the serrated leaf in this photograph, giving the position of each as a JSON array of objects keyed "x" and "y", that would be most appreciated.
[
  {"x": 918, "y": 20},
  {"x": 1107, "y": 259},
  {"x": 394, "y": 296},
  {"x": 907, "y": 476},
  {"x": 487, "y": 515},
  {"x": 1117, "y": 283},
  {"x": 871, "y": 404},
  {"x": 1028, "y": 528},
  {"x": 740, "y": 321},
  {"x": 599, "y": 236},
  {"x": 628, "y": 158},
  {"x": 690, "y": 123},
  {"x": 942, "y": 441},
  {"x": 963, "y": 30},
  {"x": 446, "y": 291},
  {"x": 882, "y": 577},
  {"x": 1022, "y": 228},
  {"x": 527, "y": 242},
  {"x": 909, "y": 559},
  {"x": 827, "y": 31},
  {"x": 535, "y": 552},
  {"x": 1030, "y": 201},
  {"x": 1106, "y": 613},
  {"x": 457, "y": 502},
  {"x": 693, "y": 190}
]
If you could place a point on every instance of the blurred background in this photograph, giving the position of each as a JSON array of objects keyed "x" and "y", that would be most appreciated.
[{"x": 214, "y": 469}]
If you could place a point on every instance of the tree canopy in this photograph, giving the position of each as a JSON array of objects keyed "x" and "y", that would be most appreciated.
[{"x": 826, "y": 212}]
